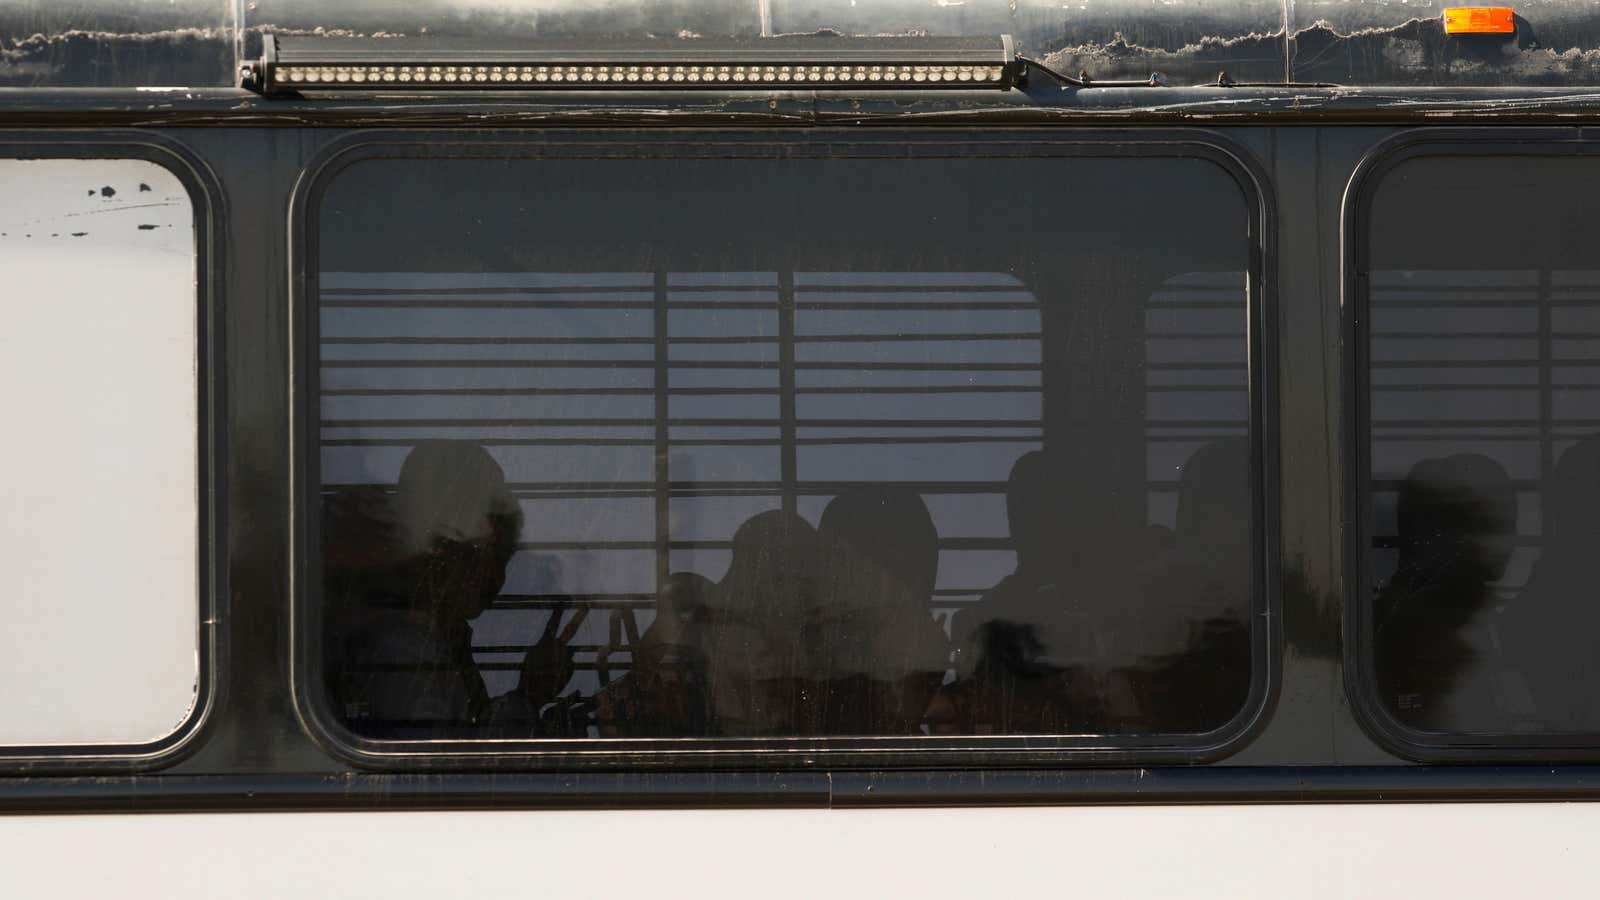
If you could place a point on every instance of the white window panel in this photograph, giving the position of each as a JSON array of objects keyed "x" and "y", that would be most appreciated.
[{"x": 98, "y": 503}]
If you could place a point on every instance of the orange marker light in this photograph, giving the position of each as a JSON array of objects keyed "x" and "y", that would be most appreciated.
[{"x": 1480, "y": 20}]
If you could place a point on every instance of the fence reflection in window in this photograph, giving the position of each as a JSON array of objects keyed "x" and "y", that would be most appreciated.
[
  {"x": 853, "y": 497},
  {"x": 844, "y": 526}
]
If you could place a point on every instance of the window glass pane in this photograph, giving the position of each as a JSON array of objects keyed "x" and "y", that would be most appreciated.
[
  {"x": 1485, "y": 444},
  {"x": 760, "y": 447},
  {"x": 98, "y": 639}
]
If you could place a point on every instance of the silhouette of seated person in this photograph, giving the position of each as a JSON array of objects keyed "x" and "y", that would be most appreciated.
[
  {"x": 752, "y": 634},
  {"x": 877, "y": 654},
  {"x": 1551, "y": 631},
  {"x": 1456, "y": 518},
  {"x": 360, "y": 548},
  {"x": 411, "y": 571},
  {"x": 1026, "y": 654},
  {"x": 664, "y": 692},
  {"x": 1181, "y": 637}
]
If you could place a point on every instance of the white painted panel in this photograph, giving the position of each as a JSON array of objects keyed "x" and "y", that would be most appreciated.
[
  {"x": 98, "y": 507},
  {"x": 1361, "y": 852}
]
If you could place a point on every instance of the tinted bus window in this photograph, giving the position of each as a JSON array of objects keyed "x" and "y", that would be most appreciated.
[
  {"x": 784, "y": 447},
  {"x": 1484, "y": 445},
  {"x": 99, "y": 526}
]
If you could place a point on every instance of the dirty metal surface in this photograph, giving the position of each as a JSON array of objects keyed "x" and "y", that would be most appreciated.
[{"x": 197, "y": 43}]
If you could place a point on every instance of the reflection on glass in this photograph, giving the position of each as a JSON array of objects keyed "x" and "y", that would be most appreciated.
[
  {"x": 405, "y": 575},
  {"x": 1550, "y": 629},
  {"x": 1485, "y": 407},
  {"x": 1455, "y": 516},
  {"x": 754, "y": 449}
]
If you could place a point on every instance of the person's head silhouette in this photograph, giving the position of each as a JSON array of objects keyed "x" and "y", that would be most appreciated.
[
  {"x": 888, "y": 527},
  {"x": 1028, "y": 511},
  {"x": 1574, "y": 499},
  {"x": 1214, "y": 501},
  {"x": 1456, "y": 517},
  {"x": 680, "y": 604},
  {"x": 772, "y": 570},
  {"x": 459, "y": 524}
]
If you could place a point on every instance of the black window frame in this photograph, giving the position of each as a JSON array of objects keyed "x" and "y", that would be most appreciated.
[
  {"x": 207, "y": 199},
  {"x": 786, "y": 753},
  {"x": 1359, "y": 661}
]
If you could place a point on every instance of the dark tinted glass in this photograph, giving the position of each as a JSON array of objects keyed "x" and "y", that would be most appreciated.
[
  {"x": 784, "y": 447},
  {"x": 1484, "y": 341}
]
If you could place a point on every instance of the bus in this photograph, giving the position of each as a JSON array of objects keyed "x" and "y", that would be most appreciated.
[{"x": 798, "y": 446}]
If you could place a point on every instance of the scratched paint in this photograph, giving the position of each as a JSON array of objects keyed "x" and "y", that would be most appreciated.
[{"x": 110, "y": 43}]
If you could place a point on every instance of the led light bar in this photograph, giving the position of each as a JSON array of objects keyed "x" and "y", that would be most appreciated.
[{"x": 296, "y": 64}]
